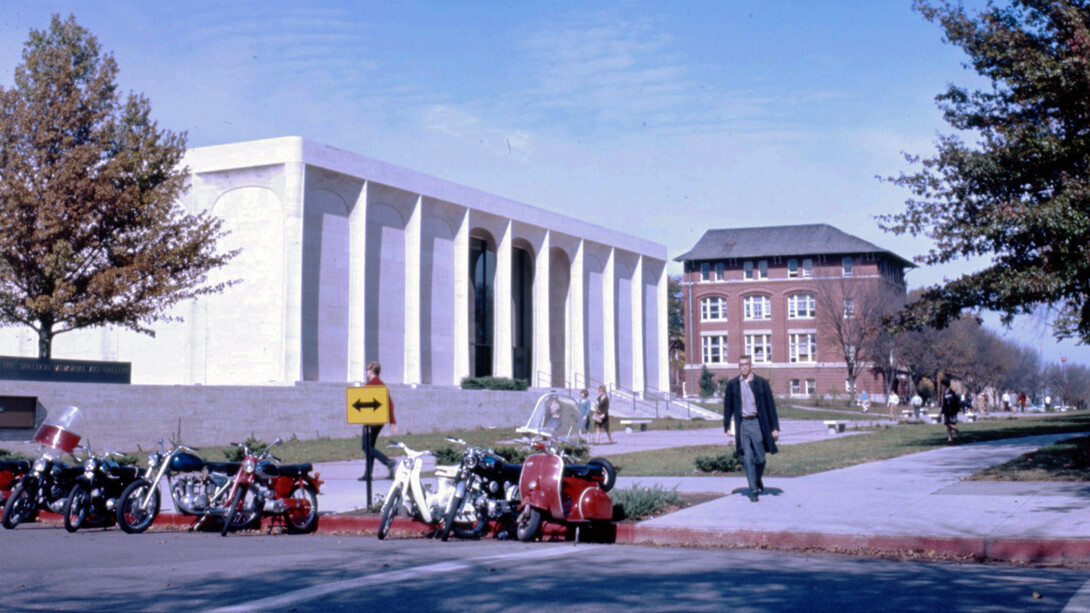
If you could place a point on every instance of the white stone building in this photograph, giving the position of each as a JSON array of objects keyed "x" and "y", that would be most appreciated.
[{"x": 346, "y": 259}]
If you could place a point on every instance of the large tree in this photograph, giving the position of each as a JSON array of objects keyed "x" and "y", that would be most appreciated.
[
  {"x": 91, "y": 232},
  {"x": 1020, "y": 194}
]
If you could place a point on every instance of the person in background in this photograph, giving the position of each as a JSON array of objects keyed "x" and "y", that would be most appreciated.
[
  {"x": 601, "y": 416},
  {"x": 584, "y": 411},
  {"x": 917, "y": 403},
  {"x": 951, "y": 404},
  {"x": 373, "y": 370}
]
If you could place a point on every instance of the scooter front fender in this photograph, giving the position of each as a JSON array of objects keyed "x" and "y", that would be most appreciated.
[{"x": 593, "y": 504}]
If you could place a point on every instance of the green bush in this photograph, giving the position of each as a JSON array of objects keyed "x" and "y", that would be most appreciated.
[
  {"x": 726, "y": 463},
  {"x": 708, "y": 386},
  {"x": 638, "y": 502},
  {"x": 447, "y": 455},
  {"x": 236, "y": 454},
  {"x": 495, "y": 383}
]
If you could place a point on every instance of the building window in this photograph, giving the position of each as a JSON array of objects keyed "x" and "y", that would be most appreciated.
[
  {"x": 802, "y": 347},
  {"x": 747, "y": 268},
  {"x": 796, "y": 387},
  {"x": 713, "y": 349},
  {"x": 847, "y": 264},
  {"x": 705, "y": 271},
  {"x": 762, "y": 269},
  {"x": 811, "y": 387},
  {"x": 792, "y": 268},
  {"x": 713, "y": 309},
  {"x": 807, "y": 267},
  {"x": 757, "y": 307},
  {"x": 800, "y": 306},
  {"x": 719, "y": 271},
  {"x": 849, "y": 308},
  {"x": 760, "y": 347}
]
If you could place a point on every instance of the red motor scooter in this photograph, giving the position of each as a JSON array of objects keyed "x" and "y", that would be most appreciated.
[
  {"x": 553, "y": 490},
  {"x": 11, "y": 472}
]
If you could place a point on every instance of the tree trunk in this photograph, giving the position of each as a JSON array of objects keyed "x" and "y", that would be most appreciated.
[{"x": 45, "y": 339}]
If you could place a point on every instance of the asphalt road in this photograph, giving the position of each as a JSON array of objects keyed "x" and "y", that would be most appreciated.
[{"x": 47, "y": 569}]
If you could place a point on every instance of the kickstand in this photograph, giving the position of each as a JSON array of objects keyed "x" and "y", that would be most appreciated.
[{"x": 577, "y": 529}]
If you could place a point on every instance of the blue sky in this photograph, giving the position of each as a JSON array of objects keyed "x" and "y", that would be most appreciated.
[{"x": 658, "y": 119}]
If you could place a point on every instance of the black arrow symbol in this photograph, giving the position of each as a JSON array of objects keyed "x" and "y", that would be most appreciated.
[{"x": 360, "y": 405}]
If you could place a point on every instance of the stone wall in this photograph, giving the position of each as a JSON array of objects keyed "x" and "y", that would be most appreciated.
[{"x": 120, "y": 417}]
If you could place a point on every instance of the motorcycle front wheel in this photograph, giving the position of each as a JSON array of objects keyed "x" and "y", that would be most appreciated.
[
  {"x": 528, "y": 524},
  {"x": 303, "y": 517},
  {"x": 21, "y": 504},
  {"x": 390, "y": 509},
  {"x": 132, "y": 516},
  {"x": 232, "y": 509},
  {"x": 76, "y": 506}
]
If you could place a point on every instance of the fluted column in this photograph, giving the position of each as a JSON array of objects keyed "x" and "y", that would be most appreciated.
[
  {"x": 503, "y": 320},
  {"x": 609, "y": 319},
  {"x": 461, "y": 300},
  {"x": 577, "y": 341},
  {"x": 357, "y": 274},
  {"x": 542, "y": 367},
  {"x": 413, "y": 277}
]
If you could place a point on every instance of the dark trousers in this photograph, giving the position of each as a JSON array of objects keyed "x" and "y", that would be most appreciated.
[
  {"x": 371, "y": 435},
  {"x": 753, "y": 452}
]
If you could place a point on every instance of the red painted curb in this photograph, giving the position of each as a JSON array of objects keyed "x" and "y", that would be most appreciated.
[{"x": 1014, "y": 550}]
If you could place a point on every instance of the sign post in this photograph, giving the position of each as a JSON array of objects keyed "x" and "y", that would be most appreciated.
[{"x": 370, "y": 406}]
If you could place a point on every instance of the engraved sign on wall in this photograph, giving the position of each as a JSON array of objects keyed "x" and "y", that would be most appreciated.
[{"x": 64, "y": 371}]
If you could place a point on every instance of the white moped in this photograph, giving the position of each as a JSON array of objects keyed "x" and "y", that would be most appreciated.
[{"x": 408, "y": 493}]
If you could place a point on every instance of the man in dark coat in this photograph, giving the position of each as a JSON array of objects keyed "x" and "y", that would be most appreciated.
[{"x": 749, "y": 405}]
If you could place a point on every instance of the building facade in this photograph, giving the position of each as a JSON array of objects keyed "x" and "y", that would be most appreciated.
[
  {"x": 345, "y": 259},
  {"x": 773, "y": 293}
]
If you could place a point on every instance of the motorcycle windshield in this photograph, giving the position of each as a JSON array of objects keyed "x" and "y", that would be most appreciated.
[
  {"x": 59, "y": 434},
  {"x": 557, "y": 417}
]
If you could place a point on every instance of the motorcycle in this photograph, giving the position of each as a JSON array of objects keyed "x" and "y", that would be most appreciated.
[
  {"x": 551, "y": 488},
  {"x": 407, "y": 492},
  {"x": 93, "y": 498},
  {"x": 281, "y": 490},
  {"x": 11, "y": 473},
  {"x": 196, "y": 488},
  {"x": 485, "y": 490},
  {"x": 47, "y": 484}
]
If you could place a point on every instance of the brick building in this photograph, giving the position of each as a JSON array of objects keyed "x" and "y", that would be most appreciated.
[{"x": 772, "y": 293}]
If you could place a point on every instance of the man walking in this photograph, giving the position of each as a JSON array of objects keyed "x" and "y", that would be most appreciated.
[
  {"x": 749, "y": 404},
  {"x": 371, "y": 432}
]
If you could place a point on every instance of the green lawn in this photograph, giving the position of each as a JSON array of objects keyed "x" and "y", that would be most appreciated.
[{"x": 1063, "y": 461}]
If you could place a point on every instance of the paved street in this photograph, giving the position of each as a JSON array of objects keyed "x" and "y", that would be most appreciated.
[{"x": 172, "y": 571}]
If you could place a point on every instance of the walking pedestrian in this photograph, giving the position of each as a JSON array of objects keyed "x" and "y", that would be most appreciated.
[
  {"x": 601, "y": 416},
  {"x": 750, "y": 406},
  {"x": 373, "y": 370},
  {"x": 950, "y": 407}
]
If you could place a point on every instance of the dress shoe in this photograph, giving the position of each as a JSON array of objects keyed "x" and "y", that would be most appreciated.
[{"x": 760, "y": 486}]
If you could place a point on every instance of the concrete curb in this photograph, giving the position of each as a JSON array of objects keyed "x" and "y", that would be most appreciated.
[{"x": 1001, "y": 549}]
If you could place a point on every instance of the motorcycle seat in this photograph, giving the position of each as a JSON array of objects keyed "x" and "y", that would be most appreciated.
[
  {"x": 68, "y": 472},
  {"x": 15, "y": 466},
  {"x": 511, "y": 472},
  {"x": 295, "y": 470},
  {"x": 583, "y": 471},
  {"x": 223, "y": 467}
]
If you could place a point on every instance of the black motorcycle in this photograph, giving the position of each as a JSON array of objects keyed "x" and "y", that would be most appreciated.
[
  {"x": 45, "y": 488},
  {"x": 485, "y": 490},
  {"x": 93, "y": 498}
]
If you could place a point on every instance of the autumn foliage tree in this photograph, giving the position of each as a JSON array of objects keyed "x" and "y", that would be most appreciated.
[
  {"x": 1020, "y": 194},
  {"x": 91, "y": 232}
]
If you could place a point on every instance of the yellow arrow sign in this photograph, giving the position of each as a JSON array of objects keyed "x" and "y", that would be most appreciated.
[{"x": 368, "y": 405}]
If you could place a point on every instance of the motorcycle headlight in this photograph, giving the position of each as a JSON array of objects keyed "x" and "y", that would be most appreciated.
[
  {"x": 39, "y": 465},
  {"x": 471, "y": 460},
  {"x": 249, "y": 466},
  {"x": 153, "y": 459},
  {"x": 89, "y": 466}
]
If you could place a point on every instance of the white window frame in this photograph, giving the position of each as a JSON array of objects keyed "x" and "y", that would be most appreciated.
[
  {"x": 849, "y": 308},
  {"x": 706, "y": 311},
  {"x": 751, "y": 313},
  {"x": 747, "y": 270},
  {"x": 713, "y": 346},
  {"x": 792, "y": 268},
  {"x": 807, "y": 267},
  {"x": 794, "y": 301},
  {"x": 847, "y": 266},
  {"x": 796, "y": 387},
  {"x": 811, "y": 387},
  {"x": 797, "y": 342},
  {"x": 762, "y": 269},
  {"x": 759, "y": 347},
  {"x": 719, "y": 274},
  {"x": 705, "y": 272}
]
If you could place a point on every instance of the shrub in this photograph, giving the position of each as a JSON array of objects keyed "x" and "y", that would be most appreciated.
[
  {"x": 707, "y": 383},
  {"x": 726, "y": 463},
  {"x": 638, "y": 502},
  {"x": 447, "y": 455},
  {"x": 236, "y": 454},
  {"x": 495, "y": 383}
]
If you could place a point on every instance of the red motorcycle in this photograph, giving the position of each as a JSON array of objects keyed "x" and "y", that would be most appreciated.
[
  {"x": 11, "y": 472},
  {"x": 551, "y": 489},
  {"x": 265, "y": 487}
]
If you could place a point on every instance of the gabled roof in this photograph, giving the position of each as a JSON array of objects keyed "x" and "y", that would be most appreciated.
[{"x": 784, "y": 241}]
